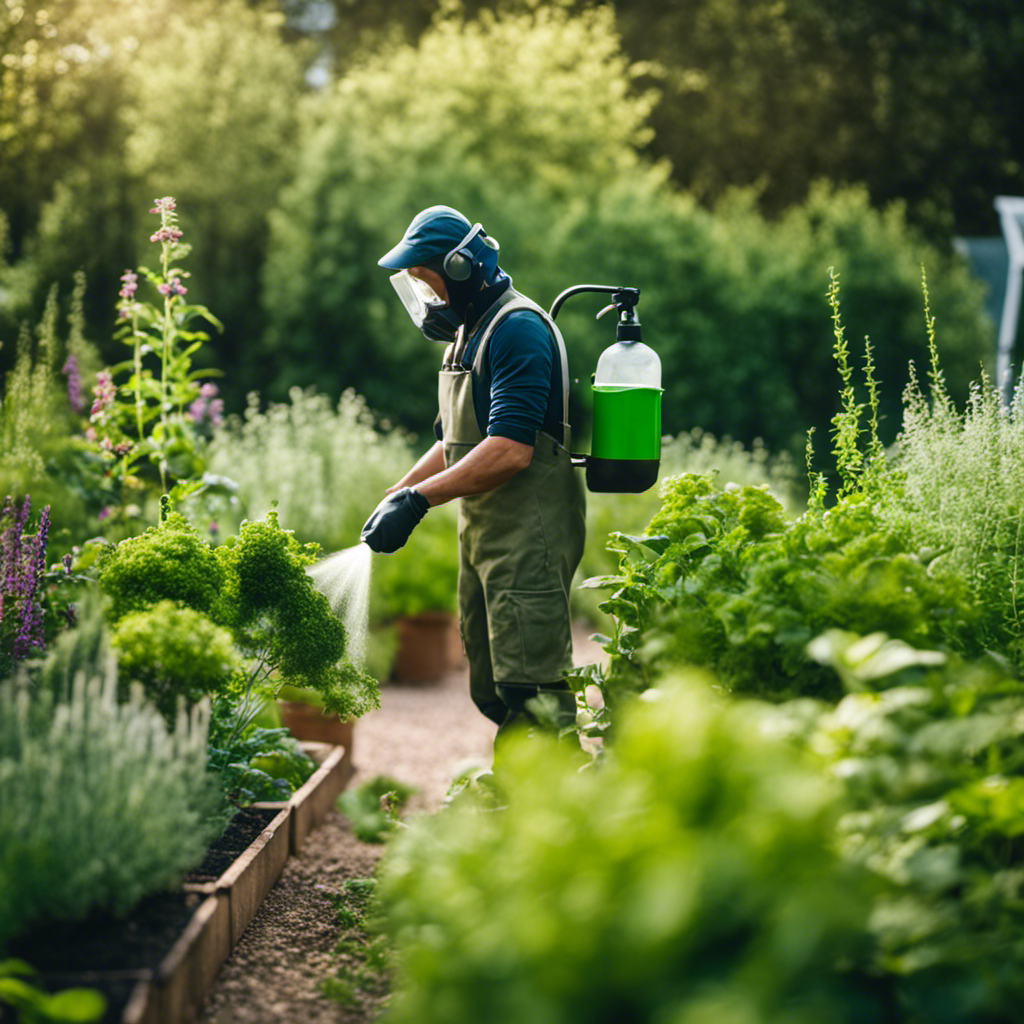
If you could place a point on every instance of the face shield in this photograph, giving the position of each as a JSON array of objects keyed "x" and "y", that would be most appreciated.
[{"x": 425, "y": 307}]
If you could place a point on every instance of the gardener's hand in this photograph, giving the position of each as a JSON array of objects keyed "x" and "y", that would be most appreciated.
[{"x": 392, "y": 521}]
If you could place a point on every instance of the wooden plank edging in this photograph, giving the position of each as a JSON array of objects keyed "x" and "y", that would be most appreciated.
[{"x": 175, "y": 992}]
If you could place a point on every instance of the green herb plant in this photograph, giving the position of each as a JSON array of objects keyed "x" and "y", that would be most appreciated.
[
  {"x": 928, "y": 749},
  {"x": 373, "y": 808},
  {"x": 723, "y": 578},
  {"x": 254, "y": 762},
  {"x": 252, "y": 590},
  {"x": 689, "y": 876},
  {"x": 101, "y": 803}
]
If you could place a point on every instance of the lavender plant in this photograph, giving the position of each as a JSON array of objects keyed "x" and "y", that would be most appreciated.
[{"x": 22, "y": 565}]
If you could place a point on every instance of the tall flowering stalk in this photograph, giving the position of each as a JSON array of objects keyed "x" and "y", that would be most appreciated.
[
  {"x": 141, "y": 412},
  {"x": 22, "y": 565}
]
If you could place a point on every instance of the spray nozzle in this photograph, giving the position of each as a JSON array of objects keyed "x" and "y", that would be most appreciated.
[{"x": 623, "y": 299}]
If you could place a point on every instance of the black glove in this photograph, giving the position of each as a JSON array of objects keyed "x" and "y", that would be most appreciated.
[{"x": 392, "y": 521}]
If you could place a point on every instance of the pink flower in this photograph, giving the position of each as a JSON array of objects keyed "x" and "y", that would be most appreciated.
[
  {"x": 172, "y": 287},
  {"x": 104, "y": 393},
  {"x": 166, "y": 234},
  {"x": 164, "y": 205},
  {"x": 207, "y": 406},
  {"x": 129, "y": 284}
]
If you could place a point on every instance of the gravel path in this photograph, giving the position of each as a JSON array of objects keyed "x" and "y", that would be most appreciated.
[{"x": 423, "y": 735}]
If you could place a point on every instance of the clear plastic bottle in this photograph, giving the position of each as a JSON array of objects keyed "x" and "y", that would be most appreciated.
[
  {"x": 626, "y": 443},
  {"x": 628, "y": 364}
]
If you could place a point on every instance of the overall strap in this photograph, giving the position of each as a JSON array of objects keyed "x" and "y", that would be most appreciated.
[
  {"x": 517, "y": 302},
  {"x": 456, "y": 351}
]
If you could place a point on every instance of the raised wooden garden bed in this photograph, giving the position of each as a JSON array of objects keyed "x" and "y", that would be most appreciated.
[{"x": 158, "y": 966}]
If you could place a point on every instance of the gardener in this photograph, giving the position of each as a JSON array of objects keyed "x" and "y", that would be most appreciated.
[{"x": 503, "y": 448}]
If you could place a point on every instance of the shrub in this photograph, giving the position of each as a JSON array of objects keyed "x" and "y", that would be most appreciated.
[
  {"x": 691, "y": 876},
  {"x": 99, "y": 803}
]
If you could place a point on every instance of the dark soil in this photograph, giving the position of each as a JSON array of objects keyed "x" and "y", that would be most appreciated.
[{"x": 242, "y": 831}]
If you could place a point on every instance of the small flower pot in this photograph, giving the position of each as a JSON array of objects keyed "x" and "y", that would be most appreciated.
[{"x": 429, "y": 647}]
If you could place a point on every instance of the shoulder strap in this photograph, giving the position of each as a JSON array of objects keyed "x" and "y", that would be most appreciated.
[{"x": 522, "y": 302}]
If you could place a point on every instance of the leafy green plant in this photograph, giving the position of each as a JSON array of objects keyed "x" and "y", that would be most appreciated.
[
  {"x": 33, "y": 1005},
  {"x": 100, "y": 803},
  {"x": 929, "y": 753},
  {"x": 254, "y": 762},
  {"x": 723, "y": 580},
  {"x": 695, "y": 451},
  {"x": 174, "y": 652},
  {"x": 373, "y": 807},
  {"x": 690, "y": 876},
  {"x": 169, "y": 562}
]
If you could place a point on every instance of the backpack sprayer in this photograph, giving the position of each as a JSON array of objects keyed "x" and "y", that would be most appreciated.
[{"x": 625, "y": 450}]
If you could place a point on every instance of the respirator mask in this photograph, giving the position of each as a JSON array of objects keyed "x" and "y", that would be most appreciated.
[{"x": 435, "y": 318}]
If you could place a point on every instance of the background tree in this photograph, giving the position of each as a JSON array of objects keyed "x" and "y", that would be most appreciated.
[
  {"x": 107, "y": 105},
  {"x": 916, "y": 100},
  {"x": 734, "y": 303},
  {"x": 452, "y": 119}
]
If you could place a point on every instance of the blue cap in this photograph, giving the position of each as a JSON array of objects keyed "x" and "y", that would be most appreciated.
[{"x": 433, "y": 232}]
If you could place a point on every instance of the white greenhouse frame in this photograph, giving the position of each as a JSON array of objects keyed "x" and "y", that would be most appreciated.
[{"x": 1011, "y": 217}]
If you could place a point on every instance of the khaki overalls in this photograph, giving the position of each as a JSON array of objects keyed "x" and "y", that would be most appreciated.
[{"x": 519, "y": 546}]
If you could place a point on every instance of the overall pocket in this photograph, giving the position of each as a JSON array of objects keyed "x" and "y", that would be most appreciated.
[{"x": 530, "y": 634}]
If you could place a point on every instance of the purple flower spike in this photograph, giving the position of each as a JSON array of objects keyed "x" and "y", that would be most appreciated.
[
  {"x": 74, "y": 376},
  {"x": 30, "y": 630}
]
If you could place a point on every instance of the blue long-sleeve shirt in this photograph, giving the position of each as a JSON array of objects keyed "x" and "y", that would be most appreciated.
[{"x": 519, "y": 389}]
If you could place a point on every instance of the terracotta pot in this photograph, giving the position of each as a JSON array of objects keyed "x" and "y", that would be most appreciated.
[
  {"x": 306, "y": 722},
  {"x": 429, "y": 647}
]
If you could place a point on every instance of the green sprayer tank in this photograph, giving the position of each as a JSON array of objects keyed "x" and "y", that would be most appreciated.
[{"x": 625, "y": 451}]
